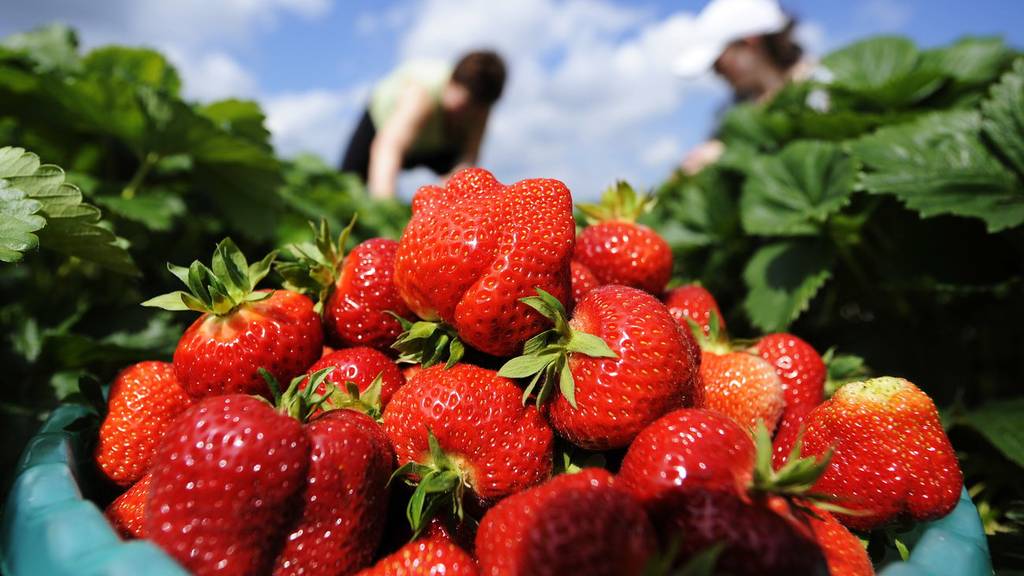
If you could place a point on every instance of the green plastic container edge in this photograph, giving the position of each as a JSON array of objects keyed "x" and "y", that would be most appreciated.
[{"x": 49, "y": 528}]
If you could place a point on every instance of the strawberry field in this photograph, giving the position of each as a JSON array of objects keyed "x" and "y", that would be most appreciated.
[{"x": 876, "y": 214}]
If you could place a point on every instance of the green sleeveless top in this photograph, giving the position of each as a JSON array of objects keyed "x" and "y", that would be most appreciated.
[{"x": 432, "y": 75}]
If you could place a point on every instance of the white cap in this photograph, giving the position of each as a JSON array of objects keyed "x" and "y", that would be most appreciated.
[{"x": 720, "y": 23}]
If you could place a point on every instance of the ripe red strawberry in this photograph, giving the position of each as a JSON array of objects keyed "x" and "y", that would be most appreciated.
[
  {"x": 685, "y": 450},
  {"x": 583, "y": 280},
  {"x": 144, "y": 399},
  {"x": 620, "y": 363},
  {"x": 465, "y": 428},
  {"x": 357, "y": 311},
  {"x": 345, "y": 498},
  {"x": 426, "y": 557},
  {"x": 762, "y": 535},
  {"x": 844, "y": 552},
  {"x": 574, "y": 523},
  {"x": 241, "y": 329},
  {"x": 355, "y": 292},
  {"x": 742, "y": 386},
  {"x": 693, "y": 303},
  {"x": 616, "y": 249},
  {"x": 475, "y": 247},
  {"x": 126, "y": 512},
  {"x": 892, "y": 460},
  {"x": 803, "y": 374},
  {"x": 360, "y": 366},
  {"x": 227, "y": 482}
]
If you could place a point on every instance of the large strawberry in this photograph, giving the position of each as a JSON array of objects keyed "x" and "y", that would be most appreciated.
[
  {"x": 574, "y": 523},
  {"x": 345, "y": 500},
  {"x": 360, "y": 366},
  {"x": 617, "y": 249},
  {"x": 687, "y": 449},
  {"x": 355, "y": 292},
  {"x": 476, "y": 246},
  {"x": 241, "y": 329},
  {"x": 892, "y": 460},
  {"x": 693, "y": 303},
  {"x": 144, "y": 399},
  {"x": 425, "y": 557},
  {"x": 127, "y": 512},
  {"x": 743, "y": 386},
  {"x": 803, "y": 374},
  {"x": 227, "y": 484},
  {"x": 619, "y": 364},
  {"x": 463, "y": 429}
]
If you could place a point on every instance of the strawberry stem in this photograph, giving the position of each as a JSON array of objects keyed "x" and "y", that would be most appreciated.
[
  {"x": 439, "y": 482},
  {"x": 427, "y": 343},
  {"x": 545, "y": 358},
  {"x": 314, "y": 268}
]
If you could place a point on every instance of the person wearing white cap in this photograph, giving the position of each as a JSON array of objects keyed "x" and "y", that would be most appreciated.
[{"x": 749, "y": 43}]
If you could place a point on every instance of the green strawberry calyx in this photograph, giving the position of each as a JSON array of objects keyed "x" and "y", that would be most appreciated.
[
  {"x": 545, "y": 359},
  {"x": 220, "y": 289},
  {"x": 795, "y": 479},
  {"x": 440, "y": 481},
  {"x": 716, "y": 340},
  {"x": 314, "y": 267},
  {"x": 427, "y": 343},
  {"x": 368, "y": 401},
  {"x": 619, "y": 202},
  {"x": 298, "y": 401}
]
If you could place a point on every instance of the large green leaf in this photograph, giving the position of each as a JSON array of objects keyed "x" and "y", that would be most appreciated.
[
  {"x": 794, "y": 192},
  {"x": 782, "y": 278},
  {"x": 939, "y": 165},
  {"x": 971, "y": 60},
  {"x": 71, "y": 225},
  {"x": 1000, "y": 423},
  {"x": 1004, "y": 116},
  {"x": 18, "y": 221},
  {"x": 137, "y": 66},
  {"x": 883, "y": 72}
]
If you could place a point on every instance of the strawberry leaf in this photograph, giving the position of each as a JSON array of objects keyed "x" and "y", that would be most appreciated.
[
  {"x": 589, "y": 344},
  {"x": 48, "y": 211},
  {"x": 1003, "y": 119},
  {"x": 939, "y": 164},
  {"x": 782, "y": 279},
  {"x": 795, "y": 191},
  {"x": 427, "y": 343}
]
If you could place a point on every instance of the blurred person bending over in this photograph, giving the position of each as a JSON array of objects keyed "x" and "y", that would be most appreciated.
[
  {"x": 748, "y": 43},
  {"x": 425, "y": 113}
]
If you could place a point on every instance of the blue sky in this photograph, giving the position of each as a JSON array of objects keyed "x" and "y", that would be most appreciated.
[{"x": 590, "y": 97}]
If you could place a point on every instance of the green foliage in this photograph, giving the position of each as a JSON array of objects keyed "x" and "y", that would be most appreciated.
[{"x": 1000, "y": 424}]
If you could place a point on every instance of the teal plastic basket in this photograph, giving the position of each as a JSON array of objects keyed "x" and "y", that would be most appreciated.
[{"x": 51, "y": 528}]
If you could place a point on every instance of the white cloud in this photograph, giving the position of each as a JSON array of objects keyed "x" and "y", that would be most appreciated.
[
  {"x": 662, "y": 150},
  {"x": 212, "y": 76},
  {"x": 318, "y": 121},
  {"x": 884, "y": 15}
]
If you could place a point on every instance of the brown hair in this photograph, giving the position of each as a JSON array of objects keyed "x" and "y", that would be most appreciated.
[
  {"x": 483, "y": 74},
  {"x": 781, "y": 48}
]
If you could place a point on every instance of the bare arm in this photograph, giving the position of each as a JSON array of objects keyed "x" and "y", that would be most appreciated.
[
  {"x": 394, "y": 139},
  {"x": 471, "y": 155}
]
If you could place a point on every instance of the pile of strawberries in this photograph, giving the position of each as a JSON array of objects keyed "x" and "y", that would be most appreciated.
[{"x": 531, "y": 398}]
